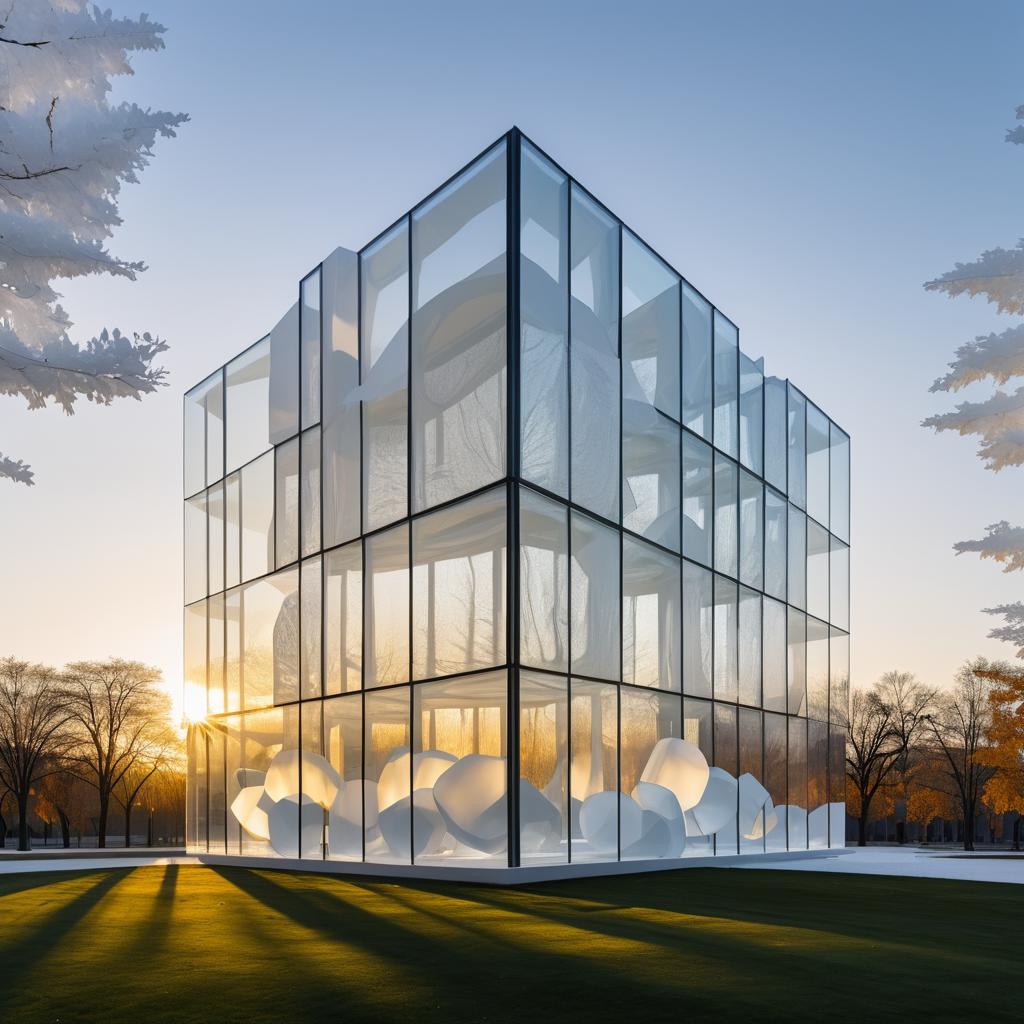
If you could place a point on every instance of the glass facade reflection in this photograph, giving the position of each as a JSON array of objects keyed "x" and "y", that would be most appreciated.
[{"x": 501, "y": 552}]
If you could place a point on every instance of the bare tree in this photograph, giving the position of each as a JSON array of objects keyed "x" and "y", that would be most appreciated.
[
  {"x": 960, "y": 728},
  {"x": 32, "y": 722},
  {"x": 872, "y": 750},
  {"x": 120, "y": 717},
  {"x": 156, "y": 756}
]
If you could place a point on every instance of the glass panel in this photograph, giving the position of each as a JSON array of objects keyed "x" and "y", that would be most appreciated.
[
  {"x": 658, "y": 831},
  {"x": 796, "y": 664},
  {"x": 270, "y": 640},
  {"x": 247, "y": 400},
  {"x": 385, "y": 377},
  {"x": 343, "y": 750},
  {"x": 215, "y": 676},
  {"x": 342, "y": 460},
  {"x": 233, "y": 650},
  {"x": 458, "y": 335},
  {"x": 817, "y": 669},
  {"x": 698, "y": 728},
  {"x": 204, "y": 434},
  {"x": 309, "y": 499},
  {"x": 775, "y": 518},
  {"x": 257, "y": 499},
  {"x": 458, "y": 587},
  {"x": 727, "y": 758},
  {"x": 234, "y": 778},
  {"x": 194, "y": 696},
  {"x": 697, "y": 497},
  {"x": 195, "y": 548},
  {"x": 261, "y": 737},
  {"x": 543, "y": 582},
  {"x": 796, "y": 811},
  {"x": 233, "y": 530},
  {"x": 817, "y": 570},
  {"x": 284, "y": 377},
  {"x": 839, "y": 473},
  {"x": 751, "y": 411},
  {"x": 460, "y": 814},
  {"x": 776, "y": 759},
  {"x": 775, "y": 432},
  {"x": 797, "y": 570},
  {"x": 774, "y": 655},
  {"x": 595, "y": 364},
  {"x": 650, "y": 468},
  {"x": 287, "y": 517},
  {"x": 726, "y": 386},
  {"x": 754, "y": 807},
  {"x": 726, "y": 639},
  {"x": 750, "y": 647},
  {"x": 343, "y": 619},
  {"x": 309, "y": 350},
  {"x": 594, "y": 628},
  {"x": 319, "y": 789},
  {"x": 839, "y": 677},
  {"x": 312, "y": 617},
  {"x": 594, "y": 776},
  {"x": 652, "y": 623},
  {"x": 751, "y": 526},
  {"x": 837, "y": 787},
  {"x": 386, "y": 607},
  {"x": 797, "y": 446},
  {"x": 726, "y": 519},
  {"x": 696, "y": 362},
  {"x": 215, "y": 776},
  {"x": 544, "y": 317},
  {"x": 650, "y": 329},
  {"x": 544, "y": 812},
  {"x": 839, "y": 585},
  {"x": 388, "y": 824},
  {"x": 698, "y": 613},
  {"x": 215, "y": 536},
  {"x": 817, "y": 464}
]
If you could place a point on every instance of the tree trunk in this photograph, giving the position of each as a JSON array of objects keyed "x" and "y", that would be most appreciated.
[
  {"x": 862, "y": 827},
  {"x": 23, "y": 843},
  {"x": 65, "y": 829},
  {"x": 968, "y": 830},
  {"x": 128, "y": 825},
  {"x": 101, "y": 824}
]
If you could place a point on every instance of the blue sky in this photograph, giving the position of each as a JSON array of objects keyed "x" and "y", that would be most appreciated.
[{"x": 807, "y": 166}]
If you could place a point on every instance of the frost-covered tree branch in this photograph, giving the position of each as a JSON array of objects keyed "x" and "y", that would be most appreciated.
[
  {"x": 65, "y": 153},
  {"x": 998, "y": 421}
]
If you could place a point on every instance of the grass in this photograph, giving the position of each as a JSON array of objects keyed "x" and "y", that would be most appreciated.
[{"x": 196, "y": 944}]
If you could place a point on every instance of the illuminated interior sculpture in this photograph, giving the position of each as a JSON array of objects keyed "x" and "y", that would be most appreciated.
[{"x": 500, "y": 552}]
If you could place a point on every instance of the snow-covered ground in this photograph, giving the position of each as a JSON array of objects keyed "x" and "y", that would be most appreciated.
[
  {"x": 10, "y": 866},
  {"x": 912, "y": 862}
]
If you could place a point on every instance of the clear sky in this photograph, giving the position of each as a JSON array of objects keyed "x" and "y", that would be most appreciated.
[{"x": 806, "y": 165}]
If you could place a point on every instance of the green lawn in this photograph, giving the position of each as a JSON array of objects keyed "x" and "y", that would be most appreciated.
[{"x": 200, "y": 944}]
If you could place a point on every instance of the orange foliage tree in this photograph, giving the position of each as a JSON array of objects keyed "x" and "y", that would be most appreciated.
[{"x": 1004, "y": 792}]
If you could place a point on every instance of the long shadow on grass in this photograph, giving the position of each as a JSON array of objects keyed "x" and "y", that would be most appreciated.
[{"x": 26, "y": 949}]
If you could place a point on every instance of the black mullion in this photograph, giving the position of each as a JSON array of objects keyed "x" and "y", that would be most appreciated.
[
  {"x": 618, "y": 597},
  {"x": 568, "y": 511},
  {"x": 409, "y": 505},
  {"x": 298, "y": 565}
]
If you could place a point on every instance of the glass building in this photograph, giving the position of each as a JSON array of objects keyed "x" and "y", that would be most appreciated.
[{"x": 500, "y": 553}]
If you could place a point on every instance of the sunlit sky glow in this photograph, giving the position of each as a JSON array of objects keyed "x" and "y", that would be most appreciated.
[{"x": 806, "y": 166}]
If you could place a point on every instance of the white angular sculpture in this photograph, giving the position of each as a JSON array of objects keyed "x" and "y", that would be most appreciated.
[
  {"x": 356, "y": 800},
  {"x": 319, "y": 779},
  {"x": 294, "y": 823},
  {"x": 246, "y": 777},
  {"x": 817, "y": 826},
  {"x": 717, "y": 805},
  {"x": 427, "y": 768},
  {"x": 540, "y": 821},
  {"x": 253, "y": 818},
  {"x": 663, "y": 802},
  {"x": 428, "y": 827},
  {"x": 755, "y": 807},
  {"x": 471, "y": 799},
  {"x": 680, "y": 766},
  {"x": 600, "y": 818},
  {"x": 796, "y": 826}
]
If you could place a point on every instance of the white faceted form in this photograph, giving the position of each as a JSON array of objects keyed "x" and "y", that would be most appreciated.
[
  {"x": 680, "y": 766},
  {"x": 249, "y": 777},
  {"x": 345, "y": 820},
  {"x": 293, "y": 823},
  {"x": 428, "y": 828},
  {"x": 429, "y": 766},
  {"x": 754, "y": 799},
  {"x": 471, "y": 798},
  {"x": 664, "y": 803},
  {"x": 248, "y": 813},
  {"x": 717, "y": 806},
  {"x": 599, "y": 821},
  {"x": 540, "y": 821},
  {"x": 319, "y": 779}
]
